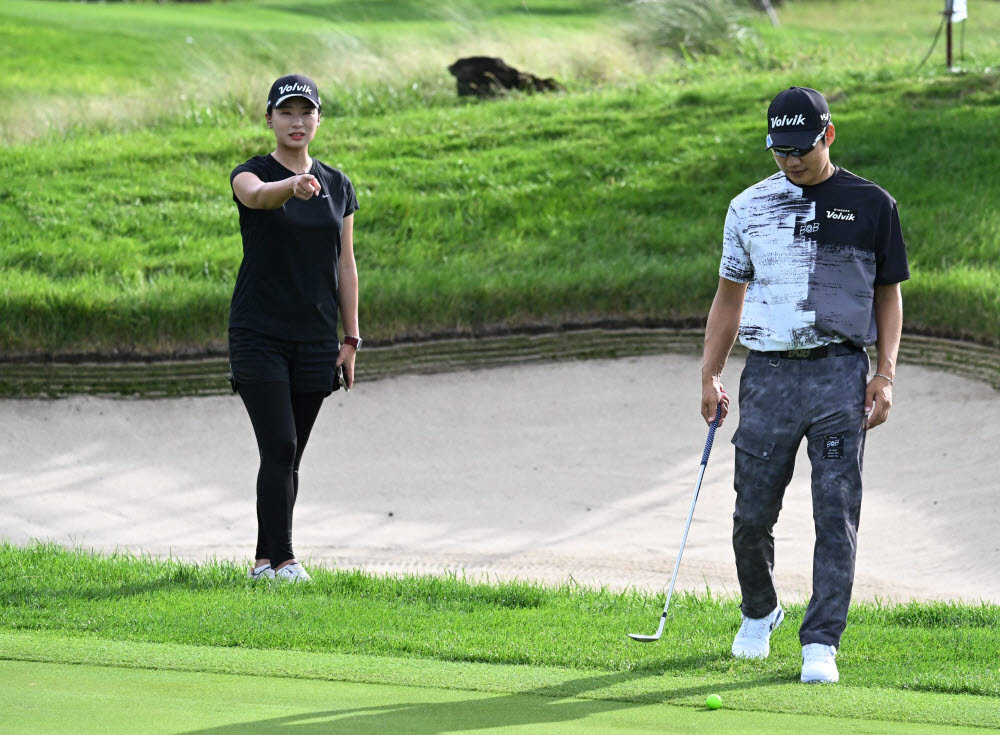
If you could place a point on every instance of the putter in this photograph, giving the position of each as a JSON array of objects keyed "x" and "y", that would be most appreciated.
[{"x": 687, "y": 527}]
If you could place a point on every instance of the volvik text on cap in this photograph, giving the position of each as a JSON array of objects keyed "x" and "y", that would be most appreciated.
[
  {"x": 795, "y": 117},
  {"x": 293, "y": 85}
]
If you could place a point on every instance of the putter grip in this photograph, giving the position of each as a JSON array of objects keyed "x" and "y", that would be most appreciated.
[{"x": 711, "y": 434}]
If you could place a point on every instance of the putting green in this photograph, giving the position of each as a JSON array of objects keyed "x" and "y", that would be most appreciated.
[{"x": 72, "y": 698}]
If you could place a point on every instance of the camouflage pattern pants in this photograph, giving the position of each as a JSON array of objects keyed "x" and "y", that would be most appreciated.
[{"x": 781, "y": 401}]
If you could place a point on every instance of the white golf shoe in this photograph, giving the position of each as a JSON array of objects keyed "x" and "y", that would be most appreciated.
[
  {"x": 754, "y": 637},
  {"x": 819, "y": 665},
  {"x": 294, "y": 572},
  {"x": 264, "y": 571}
]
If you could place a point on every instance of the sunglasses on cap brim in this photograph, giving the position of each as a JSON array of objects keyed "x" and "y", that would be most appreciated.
[{"x": 786, "y": 150}]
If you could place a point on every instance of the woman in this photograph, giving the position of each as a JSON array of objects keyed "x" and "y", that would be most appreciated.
[{"x": 298, "y": 272}]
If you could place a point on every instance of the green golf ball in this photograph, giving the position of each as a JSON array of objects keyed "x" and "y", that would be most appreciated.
[{"x": 714, "y": 701}]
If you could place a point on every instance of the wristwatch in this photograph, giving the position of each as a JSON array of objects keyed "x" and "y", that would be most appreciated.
[{"x": 354, "y": 342}]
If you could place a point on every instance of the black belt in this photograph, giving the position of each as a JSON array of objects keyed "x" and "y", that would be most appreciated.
[{"x": 816, "y": 353}]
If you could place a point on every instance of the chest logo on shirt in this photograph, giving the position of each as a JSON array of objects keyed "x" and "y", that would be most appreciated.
[
  {"x": 845, "y": 215},
  {"x": 809, "y": 228}
]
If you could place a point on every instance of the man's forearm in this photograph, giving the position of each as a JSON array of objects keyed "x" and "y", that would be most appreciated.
[
  {"x": 889, "y": 322},
  {"x": 721, "y": 329},
  {"x": 719, "y": 341}
]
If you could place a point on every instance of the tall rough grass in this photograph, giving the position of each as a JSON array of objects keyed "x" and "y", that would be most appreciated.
[
  {"x": 362, "y": 63},
  {"x": 691, "y": 27}
]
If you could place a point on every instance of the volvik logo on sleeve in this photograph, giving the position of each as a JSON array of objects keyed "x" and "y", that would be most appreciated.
[{"x": 845, "y": 215}]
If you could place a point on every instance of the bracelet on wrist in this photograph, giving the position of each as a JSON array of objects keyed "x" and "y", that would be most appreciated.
[{"x": 883, "y": 375}]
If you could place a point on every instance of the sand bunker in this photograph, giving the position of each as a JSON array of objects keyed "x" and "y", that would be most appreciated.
[{"x": 579, "y": 470}]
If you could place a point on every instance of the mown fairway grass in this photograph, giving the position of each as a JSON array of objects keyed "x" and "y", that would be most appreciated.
[
  {"x": 932, "y": 663},
  {"x": 151, "y": 691},
  {"x": 120, "y": 232}
]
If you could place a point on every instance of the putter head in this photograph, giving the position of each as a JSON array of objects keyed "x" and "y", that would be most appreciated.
[{"x": 644, "y": 638}]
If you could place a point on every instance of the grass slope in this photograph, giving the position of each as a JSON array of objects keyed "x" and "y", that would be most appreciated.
[
  {"x": 69, "y": 606},
  {"x": 540, "y": 211},
  {"x": 120, "y": 232}
]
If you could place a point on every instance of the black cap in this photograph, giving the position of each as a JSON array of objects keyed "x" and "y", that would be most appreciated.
[
  {"x": 293, "y": 85},
  {"x": 795, "y": 117}
]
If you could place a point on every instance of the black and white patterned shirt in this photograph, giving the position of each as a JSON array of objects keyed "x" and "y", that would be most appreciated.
[{"x": 812, "y": 257}]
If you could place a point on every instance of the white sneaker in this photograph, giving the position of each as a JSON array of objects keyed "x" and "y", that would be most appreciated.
[
  {"x": 293, "y": 572},
  {"x": 264, "y": 571},
  {"x": 754, "y": 637},
  {"x": 819, "y": 665}
]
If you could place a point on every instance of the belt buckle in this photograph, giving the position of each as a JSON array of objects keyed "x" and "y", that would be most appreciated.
[{"x": 799, "y": 354}]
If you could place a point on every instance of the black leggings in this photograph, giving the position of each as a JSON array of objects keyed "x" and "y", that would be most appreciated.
[{"x": 281, "y": 421}]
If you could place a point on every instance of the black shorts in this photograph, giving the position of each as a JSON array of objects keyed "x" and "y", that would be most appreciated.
[{"x": 308, "y": 367}]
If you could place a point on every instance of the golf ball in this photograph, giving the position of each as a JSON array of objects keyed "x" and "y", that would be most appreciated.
[{"x": 714, "y": 701}]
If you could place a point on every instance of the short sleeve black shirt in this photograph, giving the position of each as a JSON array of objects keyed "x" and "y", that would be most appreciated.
[{"x": 288, "y": 281}]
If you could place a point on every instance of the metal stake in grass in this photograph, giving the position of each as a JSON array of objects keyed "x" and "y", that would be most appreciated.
[{"x": 687, "y": 527}]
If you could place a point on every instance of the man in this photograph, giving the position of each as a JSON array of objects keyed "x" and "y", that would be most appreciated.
[{"x": 811, "y": 265}]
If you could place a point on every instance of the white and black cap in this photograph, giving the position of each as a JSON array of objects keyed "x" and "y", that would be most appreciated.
[
  {"x": 796, "y": 117},
  {"x": 293, "y": 85}
]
